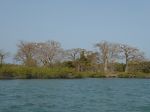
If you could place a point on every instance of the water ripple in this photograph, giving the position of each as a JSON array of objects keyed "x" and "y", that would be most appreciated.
[{"x": 82, "y": 95}]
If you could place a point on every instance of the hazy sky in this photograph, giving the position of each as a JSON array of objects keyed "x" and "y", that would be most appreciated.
[{"x": 75, "y": 23}]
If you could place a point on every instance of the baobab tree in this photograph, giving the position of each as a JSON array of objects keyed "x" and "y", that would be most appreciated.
[
  {"x": 49, "y": 52},
  {"x": 26, "y": 53},
  {"x": 32, "y": 54},
  {"x": 130, "y": 54},
  {"x": 103, "y": 53},
  {"x": 108, "y": 53},
  {"x": 114, "y": 50}
]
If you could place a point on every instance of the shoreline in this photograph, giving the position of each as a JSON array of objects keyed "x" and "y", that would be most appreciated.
[
  {"x": 22, "y": 72},
  {"x": 81, "y": 77}
]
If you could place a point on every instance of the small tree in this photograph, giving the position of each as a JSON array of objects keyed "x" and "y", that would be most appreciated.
[
  {"x": 73, "y": 54},
  {"x": 3, "y": 55}
]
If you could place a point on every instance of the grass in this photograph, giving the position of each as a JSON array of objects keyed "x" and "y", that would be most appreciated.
[
  {"x": 133, "y": 75},
  {"x": 22, "y": 72}
]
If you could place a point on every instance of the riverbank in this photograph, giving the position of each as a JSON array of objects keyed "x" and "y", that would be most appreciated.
[{"x": 22, "y": 72}]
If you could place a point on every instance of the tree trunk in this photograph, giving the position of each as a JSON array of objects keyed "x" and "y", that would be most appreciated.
[
  {"x": 126, "y": 66},
  {"x": 1, "y": 61},
  {"x": 106, "y": 66}
]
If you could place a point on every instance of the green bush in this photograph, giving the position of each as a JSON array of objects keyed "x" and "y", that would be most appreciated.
[
  {"x": 22, "y": 72},
  {"x": 134, "y": 75}
]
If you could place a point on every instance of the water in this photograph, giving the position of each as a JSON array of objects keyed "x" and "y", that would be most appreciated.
[{"x": 79, "y": 95}]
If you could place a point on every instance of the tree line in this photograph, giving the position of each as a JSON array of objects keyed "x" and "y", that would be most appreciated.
[{"x": 108, "y": 57}]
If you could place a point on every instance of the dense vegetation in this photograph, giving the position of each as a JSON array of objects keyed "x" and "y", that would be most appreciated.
[{"x": 48, "y": 60}]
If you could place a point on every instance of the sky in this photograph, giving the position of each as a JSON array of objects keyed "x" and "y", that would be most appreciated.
[{"x": 75, "y": 23}]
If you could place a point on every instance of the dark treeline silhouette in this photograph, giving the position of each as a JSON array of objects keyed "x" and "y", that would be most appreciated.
[{"x": 49, "y": 60}]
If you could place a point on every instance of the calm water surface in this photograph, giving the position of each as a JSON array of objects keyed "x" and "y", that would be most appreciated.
[{"x": 79, "y": 95}]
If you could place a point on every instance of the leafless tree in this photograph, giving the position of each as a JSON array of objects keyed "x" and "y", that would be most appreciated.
[
  {"x": 114, "y": 50},
  {"x": 104, "y": 53},
  {"x": 26, "y": 53},
  {"x": 108, "y": 53},
  {"x": 130, "y": 54},
  {"x": 49, "y": 52},
  {"x": 73, "y": 54}
]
